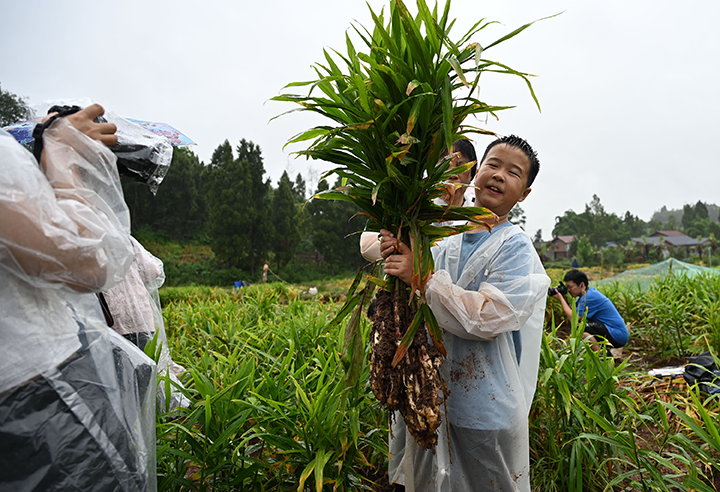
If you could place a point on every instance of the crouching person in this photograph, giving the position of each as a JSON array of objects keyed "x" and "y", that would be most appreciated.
[
  {"x": 603, "y": 319},
  {"x": 74, "y": 412}
]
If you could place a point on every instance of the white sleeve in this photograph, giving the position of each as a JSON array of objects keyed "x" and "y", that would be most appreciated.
[
  {"x": 370, "y": 246},
  {"x": 514, "y": 283},
  {"x": 69, "y": 228}
]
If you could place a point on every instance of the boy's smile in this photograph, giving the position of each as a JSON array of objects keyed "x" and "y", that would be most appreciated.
[{"x": 501, "y": 180}]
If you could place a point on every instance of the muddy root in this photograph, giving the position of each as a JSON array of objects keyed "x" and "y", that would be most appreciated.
[{"x": 413, "y": 386}]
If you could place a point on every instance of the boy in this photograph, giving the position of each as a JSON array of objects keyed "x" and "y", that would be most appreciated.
[
  {"x": 488, "y": 294},
  {"x": 603, "y": 318}
]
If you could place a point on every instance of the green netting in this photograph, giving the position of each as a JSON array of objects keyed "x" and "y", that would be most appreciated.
[{"x": 644, "y": 276}]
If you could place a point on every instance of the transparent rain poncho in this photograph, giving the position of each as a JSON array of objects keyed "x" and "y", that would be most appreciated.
[
  {"x": 76, "y": 412},
  {"x": 135, "y": 307},
  {"x": 491, "y": 314}
]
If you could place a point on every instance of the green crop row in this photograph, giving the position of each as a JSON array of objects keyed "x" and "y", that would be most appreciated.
[
  {"x": 270, "y": 408},
  {"x": 676, "y": 317},
  {"x": 593, "y": 425},
  {"x": 271, "y": 411}
]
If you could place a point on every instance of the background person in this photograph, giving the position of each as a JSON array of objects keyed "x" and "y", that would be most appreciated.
[
  {"x": 465, "y": 152},
  {"x": 136, "y": 314},
  {"x": 603, "y": 318},
  {"x": 68, "y": 419}
]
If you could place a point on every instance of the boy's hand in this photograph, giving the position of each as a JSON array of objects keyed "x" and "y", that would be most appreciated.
[{"x": 398, "y": 257}]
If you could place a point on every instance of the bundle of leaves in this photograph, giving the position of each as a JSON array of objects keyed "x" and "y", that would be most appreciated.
[{"x": 396, "y": 106}]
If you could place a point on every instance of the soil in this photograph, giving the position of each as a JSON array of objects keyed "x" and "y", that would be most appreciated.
[{"x": 413, "y": 386}]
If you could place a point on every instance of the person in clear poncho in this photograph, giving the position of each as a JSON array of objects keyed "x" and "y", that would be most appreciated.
[
  {"x": 488, "y": 294},
  {"x": 75, "y": 410},
  {"x": 136, "y": 314}
]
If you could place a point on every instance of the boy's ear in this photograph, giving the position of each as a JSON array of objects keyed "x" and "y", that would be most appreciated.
[{"x": 525, "y": 194}]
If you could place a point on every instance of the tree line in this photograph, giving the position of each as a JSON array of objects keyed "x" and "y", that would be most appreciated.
[
  {"x": 595, "y": 228},
  {"x": 601, "y": 227},
  {"x": 230, "y": 205}
]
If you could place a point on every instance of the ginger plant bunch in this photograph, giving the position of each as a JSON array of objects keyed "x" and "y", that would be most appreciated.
[{"x": 395, "y": 103}]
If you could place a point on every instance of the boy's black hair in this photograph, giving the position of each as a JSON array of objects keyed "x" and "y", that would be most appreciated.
[
  {"x": 577, "y": 277},
  {"x": 519, "y": 143},
  {"x": 467, "y": 149}
]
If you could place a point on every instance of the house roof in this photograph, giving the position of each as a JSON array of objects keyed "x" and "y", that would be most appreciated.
[
  {"x": 565, "y": 239},
  {"x": 682, "y": 240},
  {"x": 667, "y": 233}
]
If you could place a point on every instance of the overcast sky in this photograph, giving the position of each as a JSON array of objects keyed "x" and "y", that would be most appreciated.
[{"x": 628, "y": 89}]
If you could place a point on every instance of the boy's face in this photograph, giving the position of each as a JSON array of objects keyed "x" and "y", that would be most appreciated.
[{"x": 501, "y": 180}]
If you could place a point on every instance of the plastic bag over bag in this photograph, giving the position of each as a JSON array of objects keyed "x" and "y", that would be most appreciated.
[
  {"x": 141, "y": 154},
  {"x": 74, "y": 412}
]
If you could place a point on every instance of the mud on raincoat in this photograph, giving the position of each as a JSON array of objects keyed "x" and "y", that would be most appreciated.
[
  {"x": 76, "y": 412},
  {"x": 491, "y": 313}
]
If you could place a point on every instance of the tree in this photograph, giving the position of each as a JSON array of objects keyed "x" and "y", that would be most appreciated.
[
  {"x": 238, "y": 201},
  {"x": 517, "y": 216},
  {"x": 538, "y": 236},
  {"x": 12, "y": 108},
  {"x": 612, "y": 255},
  {"x": 299, "y": 188},
  {"x": 227, "y": 193},
  {"x": 257, "y": 204},
  {"x": 287, "y": 232},
  {"x": 584, "y": 251},
  {"x": 701, "y": 210},
  {"x": 688, "y": 216},
  {"x": 598, "y": 226},
  {"x": 178, "y": 209},
  {"x": 331, "y": 222}
]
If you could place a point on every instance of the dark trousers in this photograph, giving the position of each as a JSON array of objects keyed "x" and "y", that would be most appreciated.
[{"x": 598, "y": 329}]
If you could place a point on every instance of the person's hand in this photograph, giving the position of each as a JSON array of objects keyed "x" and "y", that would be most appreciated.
[
  {"x": 83, "y": 121},
  {"x": 388, "y": 243},
  {"x": 399, "y": 259},
  {"x": 557, "y": 295}
]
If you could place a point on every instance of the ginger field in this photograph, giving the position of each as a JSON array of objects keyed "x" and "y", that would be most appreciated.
[{"x": 271, "y": 409}]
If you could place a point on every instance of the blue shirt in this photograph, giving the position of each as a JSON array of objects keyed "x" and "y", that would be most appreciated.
[{"x": 600, "y": 308}]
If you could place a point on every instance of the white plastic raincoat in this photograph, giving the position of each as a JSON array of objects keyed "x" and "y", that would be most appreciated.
[
  {"x": 135, "y": 307},
  {"x": 491, "y": 314},
  {"x": 73, "y": 408}
]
